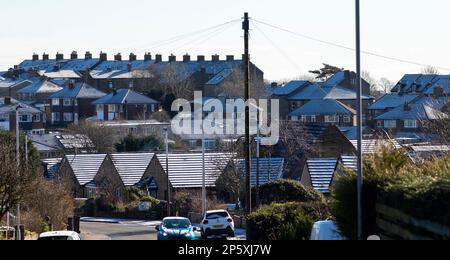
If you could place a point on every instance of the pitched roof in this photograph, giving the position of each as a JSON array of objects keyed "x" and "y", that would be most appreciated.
[
  {"x": 323, "y": 107},
  {"x": 123, "y": 96},
  {"x": 85, "y": 167},
  {"x": 406, "y": 82},
  {"x": 270, "y": 169},
  {"x": 131, "y": 166},
  {"x": 220, "y": 77},
  {"x": 372, "y": 146},
  {"x": 79, "y": 90},
  {"x": 52, "y": 166},
  {"x": 390, "y": 101},
  {"x": 61, "y": 74},
  {"x": 186, "y": 170},
  {"x": 340, "y": 93},
  {"x": 11, "y": 108},
  {"x": 443, "y": 82},
  {"x": 321, "y": 173},
  {"x": 349, "y": 162},
  {"x": 415, "y": 112},
  {"x": 41, "y": 86},
  {"x": 289, "y": 88},
  {"x": 310, "y": 92}
]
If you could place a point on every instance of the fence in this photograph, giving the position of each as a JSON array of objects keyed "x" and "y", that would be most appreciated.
[{"x": 394, "y": 224}]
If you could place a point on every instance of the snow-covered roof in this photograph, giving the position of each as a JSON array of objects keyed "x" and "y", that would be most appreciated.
[
  {"x": 123, "y": 96},
  {"x": 321, "y": 172},
  {"x": 414, "y": 112},
  {"x": 132, "y": 166},
  {"x": 79, "y": 90},
  {"x": 41, "y": 86},
  {"x": 289, "y": 88},
  {"x": 323, "y": 107},
  {"x": 85, "y": 167},
  {"x": 390, "y": 101}
]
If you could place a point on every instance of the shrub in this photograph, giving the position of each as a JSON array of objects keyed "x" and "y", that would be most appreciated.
[
  {"x": 287, "y": 191},
  {"x": 380, "y": 170},
  {"x": 279, "y": 222}
]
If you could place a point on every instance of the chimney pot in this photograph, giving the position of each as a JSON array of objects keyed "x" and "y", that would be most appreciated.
[
  {"x": 103, "y": 56},
  {"x": 59, "y": 56},
  {"x": 158, "y": 58},
  {"x": 74, "y": 55},
  {"x": 172, "y": 58},
  {"x": 215, "y": 57},
  {"x": 133, "y": 57},
  {"x": 88, "y": 56},
  {"x": 186, "y": 58},
  {"x": 200, "y": 58},
  {"x": 35, "y": 57},
  {"x": 147, "y": 57},
  {"x": 118, "y": 57}
]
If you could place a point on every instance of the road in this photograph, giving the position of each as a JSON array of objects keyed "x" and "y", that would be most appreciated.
[{"x": 117, "y": 231}]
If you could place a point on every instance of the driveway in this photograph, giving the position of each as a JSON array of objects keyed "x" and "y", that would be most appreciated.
[{"x": 118, "y": 230}]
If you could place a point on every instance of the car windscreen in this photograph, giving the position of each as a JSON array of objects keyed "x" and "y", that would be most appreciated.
[
  {"x": 177, "y": 223},
  {"x": 217, "y": 215},
  {"x": 55, "y": 238}
]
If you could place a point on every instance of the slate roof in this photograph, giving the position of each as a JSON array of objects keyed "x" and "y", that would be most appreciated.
[
  {"x": 185, "y": 170},
  {"x": 41, "y": 86},
  {"x": 289, "y": 88},
  {"x": 349, "y": 162},
  {"x": 85, "y": 167},
  {"x": 340, "y": 93},
  {"x": 390, "y": 101},
  {"x": 52, "y": 166},
  {"x": 62, "y": 74},
  {"x": 8, "y": 109},
  {"x": 132, "y": 166},
  {"x": 220, "y": 77},
  {"x": 79, "y": 90},
  {"x": 321, "y": 173},
  {"x": 271, "y": 169},
  {"x": 125, "y": 96},
  {"x": 323, "y": 107},
  {"x": 372, "y": 146},
  {"x": 311, "y": 92},
  {"x": 406, "y": 82},
  {"x": 416, "y": 112},
  {"x": 442, "y": 81}
]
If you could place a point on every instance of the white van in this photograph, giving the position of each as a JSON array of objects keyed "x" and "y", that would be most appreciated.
[{"x": 326, "y": 230}]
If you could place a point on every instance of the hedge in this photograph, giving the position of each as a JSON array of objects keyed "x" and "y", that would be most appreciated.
[{"x": 283, "y": 191}]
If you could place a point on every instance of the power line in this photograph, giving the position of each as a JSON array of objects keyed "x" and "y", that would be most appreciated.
[
  {"x": 283, "y": 53},
  {"x": 349, "y": 48},
  {"x": 176, "y": 38}
]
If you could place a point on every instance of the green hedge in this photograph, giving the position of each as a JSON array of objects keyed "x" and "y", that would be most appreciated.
[
  {"x": 279, "y": 222},
  {"x": 282, "y": 191}
]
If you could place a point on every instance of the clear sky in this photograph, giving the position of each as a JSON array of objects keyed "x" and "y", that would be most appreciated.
[{"x": 407, "y": 29}]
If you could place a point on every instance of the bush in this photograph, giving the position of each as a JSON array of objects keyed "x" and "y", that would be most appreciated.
[
  {"x": 282, "y": 191},
  {"x": 279, "y": 222},
  {"x": 137, "y": 144},
  {"x": 380, "y": 170}
]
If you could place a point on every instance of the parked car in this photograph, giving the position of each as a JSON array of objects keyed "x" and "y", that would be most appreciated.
[
  {"x": 59, "y": 236},
  {"x": 326, "y": 230},
  {"x": 176, "y": 229},
  {"x": 217, "y": 223}
]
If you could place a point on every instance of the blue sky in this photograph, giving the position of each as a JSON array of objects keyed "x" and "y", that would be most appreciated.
[{"x": 413, "y": 30}]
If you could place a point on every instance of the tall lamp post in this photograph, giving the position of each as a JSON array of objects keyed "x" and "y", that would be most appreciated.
[
  {"x": 360, "y": 121},
  {"x": 19, "y": 235}
]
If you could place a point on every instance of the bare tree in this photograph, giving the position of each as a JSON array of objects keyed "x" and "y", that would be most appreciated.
[
  {"x": 386, "y": 85},
  {"x": 103, "y": 138},
  {"x": 16, "y": 180},
  {"x": 430, "y": 70}
]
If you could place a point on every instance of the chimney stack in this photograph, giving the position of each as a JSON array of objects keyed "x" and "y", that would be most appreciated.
[
  {"x": 88, "y": 56},
  {"x": 103, "y": 56},
  {"x": 118, "y": 57},
  {"x": 147, "y": 56},
  {"x": 70, "y": 84},
  {"x": 200, "y": 58},
  {"x": 133, "y": 57},
  {"x": 186, "y": 58},
  {"x": 230, "y": 58},
  {"x": 74, "y": 55},
  {"x": 45, "y": 56},
  {"x": 35, "y": 57},
  {"x": 215, "y": 57},
  {"x": 158, "y": 58},
  {"x": 59, "y": 56},
  {"x": 438, "y": 91},
  {"x": 274, "y": 84},
  {"x": 172, "y": 58}
]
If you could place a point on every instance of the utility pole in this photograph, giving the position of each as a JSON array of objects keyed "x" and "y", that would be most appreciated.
[
  {"x": 167, "y": 171},
  {"x": 203, "y": 170},
  {"x": 360, "y": 122},
  {"x": 18, "y": 165},
  {"x": 248, "y": 195}
]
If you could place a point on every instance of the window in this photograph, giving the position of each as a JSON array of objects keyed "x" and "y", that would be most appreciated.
[
  {"x": 380, "y": 124},
  {"x": 68, "y": 117},
  {"x": 37, "y": 118},
  {"x": 303, "y": 118},
  {"x": 313, "y": 119},
  {"x": 347, "y": 119},
  {"x": 67, "y": 102},
  {"x": 411, "y": 124},
  {"x": 25, "y": 118},
  {"x": 113, "y": 108},
  {"x": 55, "y": 117},
  {"x": 55, "y": 102},
  {"x": 332, "y": 119},
  {"x": 390, "y": 124},
  {"x": 294, "y": 118},
  {"x": 4, "y": 118}
]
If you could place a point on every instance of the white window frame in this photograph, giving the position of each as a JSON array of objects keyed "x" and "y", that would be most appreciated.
[
  {"x": 68, "y": 117},
  {"x": 332, "y": 119},
  {"x": 347, "y": 119},
  {"x": 313, "y": 119},
  {"x": 68, "y": 102},
  {"x": 56, "y": 116},
  {"x": 390, "y": 124},
  {"x": 36, "y": 118},
  {"x": 56, "y": 102},
  {"x": 29, "y": 118},
  {"x": 411, "y": 124}
]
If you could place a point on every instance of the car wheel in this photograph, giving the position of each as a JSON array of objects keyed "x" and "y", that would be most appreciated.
[
  {"x": 204, "y": 236},
  {"x": 231, "y": 233}
]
